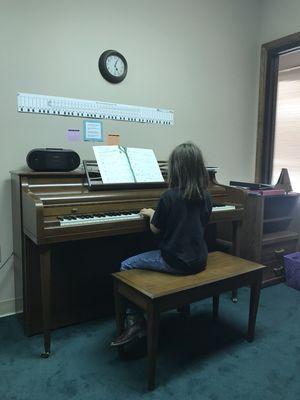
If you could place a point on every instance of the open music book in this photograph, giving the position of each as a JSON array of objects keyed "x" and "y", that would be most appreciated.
[{"x": 118, "y": 164}]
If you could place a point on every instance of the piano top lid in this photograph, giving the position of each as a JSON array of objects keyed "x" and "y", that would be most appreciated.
[
  {"x": 74, "y": 184},
  {"x": 78, "y": 172},
  {"x": 29, "y": 172}
]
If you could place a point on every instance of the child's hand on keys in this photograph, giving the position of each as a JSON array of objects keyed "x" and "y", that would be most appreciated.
[{"x": 147, "y": 212}]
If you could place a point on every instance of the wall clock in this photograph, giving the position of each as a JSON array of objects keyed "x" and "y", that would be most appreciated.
[{"x": 112, "y": 66}]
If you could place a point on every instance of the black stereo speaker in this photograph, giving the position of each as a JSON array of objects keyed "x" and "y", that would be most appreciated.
[{"x": 52, "y": 160}]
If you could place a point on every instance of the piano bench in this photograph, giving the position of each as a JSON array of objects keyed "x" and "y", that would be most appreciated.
[{"x": 156, "y": 292}]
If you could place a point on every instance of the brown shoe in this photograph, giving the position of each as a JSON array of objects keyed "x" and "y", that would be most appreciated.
[{"x": 137, "y": 330}]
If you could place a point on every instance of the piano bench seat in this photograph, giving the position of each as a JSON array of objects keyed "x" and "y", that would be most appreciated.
[{"x": 156, "y": 292}]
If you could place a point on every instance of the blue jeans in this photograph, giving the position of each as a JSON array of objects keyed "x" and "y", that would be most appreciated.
[{"x": 151, "y": 260}]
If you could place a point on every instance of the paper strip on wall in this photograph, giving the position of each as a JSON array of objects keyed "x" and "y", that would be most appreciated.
[{"x": 63, "y": 106}]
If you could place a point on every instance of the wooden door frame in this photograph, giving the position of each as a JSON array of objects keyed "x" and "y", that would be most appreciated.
[{"x": 269, "y": 61}]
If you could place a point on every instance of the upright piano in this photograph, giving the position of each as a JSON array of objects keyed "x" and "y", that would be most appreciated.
[{"x": 69, "y": 239}]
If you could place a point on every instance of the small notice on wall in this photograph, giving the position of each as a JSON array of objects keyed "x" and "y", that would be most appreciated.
[
  {"x": 73, "y": 135},
  {"x": 93, "y": 130},
  {"x": 113, "y": 139}
]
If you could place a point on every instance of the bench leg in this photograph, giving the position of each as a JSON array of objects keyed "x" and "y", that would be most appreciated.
[
  {"x": 254, "y": 300},
  {"x": 120, "y": 315},
  {"x": 234, "y": 295},
  {"x": 236, "y": 238},
  {"x": 152, "y": 340},
  {"x": 216, "y": 307}
]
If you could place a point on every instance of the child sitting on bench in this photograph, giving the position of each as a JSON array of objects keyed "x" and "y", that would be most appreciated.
[{"x": 180, "y": 218}]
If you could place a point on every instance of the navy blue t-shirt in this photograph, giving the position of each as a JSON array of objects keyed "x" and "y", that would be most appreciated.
[{"x": 181, "y": 223}]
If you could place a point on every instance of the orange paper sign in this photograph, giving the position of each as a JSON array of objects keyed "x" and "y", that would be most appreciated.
[{"x": 113, "y": 139}]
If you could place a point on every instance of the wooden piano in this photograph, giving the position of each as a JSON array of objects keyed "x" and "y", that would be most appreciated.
[{"x": 68, "y": 240}]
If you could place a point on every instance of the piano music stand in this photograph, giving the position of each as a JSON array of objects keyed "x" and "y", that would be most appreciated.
[
  {"x": 95, "y": 182},
  {"x": 92, "y": 174}
]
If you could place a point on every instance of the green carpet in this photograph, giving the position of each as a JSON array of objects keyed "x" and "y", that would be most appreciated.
[{"x": 197, "y": 359}]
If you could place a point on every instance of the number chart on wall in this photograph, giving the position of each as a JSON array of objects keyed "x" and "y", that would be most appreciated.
[{"x": 63, "y": 106}]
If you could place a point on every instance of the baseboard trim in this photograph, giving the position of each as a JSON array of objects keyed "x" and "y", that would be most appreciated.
[{"x": 10, "y": 307}]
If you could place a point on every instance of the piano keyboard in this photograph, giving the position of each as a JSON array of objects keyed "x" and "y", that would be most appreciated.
[
  {"x": 99, "y": 218},
  {"x": 118, "y": 216}
]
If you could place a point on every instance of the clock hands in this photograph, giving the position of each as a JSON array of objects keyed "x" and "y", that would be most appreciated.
[{"x": 116, "y": 68}]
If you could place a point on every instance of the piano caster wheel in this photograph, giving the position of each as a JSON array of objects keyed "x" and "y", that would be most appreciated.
[
  {"x": 234, "y": 299},
  {"x": 45, "y": 354}
]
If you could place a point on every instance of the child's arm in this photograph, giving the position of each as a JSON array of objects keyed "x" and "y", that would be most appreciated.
[{"x": 148, "y": 212}]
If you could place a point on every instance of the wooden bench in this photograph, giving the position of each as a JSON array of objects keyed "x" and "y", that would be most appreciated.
[{"x": 155, "y": 292}]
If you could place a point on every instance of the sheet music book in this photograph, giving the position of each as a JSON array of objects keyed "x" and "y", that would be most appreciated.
[{"x": 118, "y": 164}]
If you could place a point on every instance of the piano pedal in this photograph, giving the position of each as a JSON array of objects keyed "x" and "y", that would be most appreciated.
[{"x": 45, "y": 354}]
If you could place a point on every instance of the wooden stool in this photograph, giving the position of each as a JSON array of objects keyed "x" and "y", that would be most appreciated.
[{"x": 155, "y": 292}]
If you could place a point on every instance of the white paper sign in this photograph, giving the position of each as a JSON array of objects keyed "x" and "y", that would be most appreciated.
[{"x": 93, "y": 130}]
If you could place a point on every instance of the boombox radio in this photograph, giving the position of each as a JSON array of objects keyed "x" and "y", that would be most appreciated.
[{"x": 50, "y": 159}]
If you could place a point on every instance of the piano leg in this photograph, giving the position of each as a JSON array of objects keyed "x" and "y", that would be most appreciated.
[
  {"x": 45, "y": 268},
  {"x": 236, "y": 238},
  {"x": 235, "y": 251},
  {"x": 216, "y": 300}
]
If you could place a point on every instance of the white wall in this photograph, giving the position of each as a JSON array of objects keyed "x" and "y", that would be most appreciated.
[
  {"x": 197, "y": 57},
  {"x": 279, "y": 18}
]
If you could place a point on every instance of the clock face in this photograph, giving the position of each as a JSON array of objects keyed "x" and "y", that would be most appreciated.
[
  {"x": 112, "y": 66},
  {"x": 115, "y": 65}
]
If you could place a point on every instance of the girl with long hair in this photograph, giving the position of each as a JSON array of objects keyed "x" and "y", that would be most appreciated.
[{"x": 180, "y": 218}]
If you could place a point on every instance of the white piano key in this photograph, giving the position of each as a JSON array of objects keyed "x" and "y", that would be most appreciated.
[{"x": 223, "y": 208}]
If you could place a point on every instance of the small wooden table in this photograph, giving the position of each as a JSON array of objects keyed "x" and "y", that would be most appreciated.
[{"x": 155, "y": 292}]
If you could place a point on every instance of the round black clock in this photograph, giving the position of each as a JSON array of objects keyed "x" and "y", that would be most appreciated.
[{"x": 112, "y": 66}]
